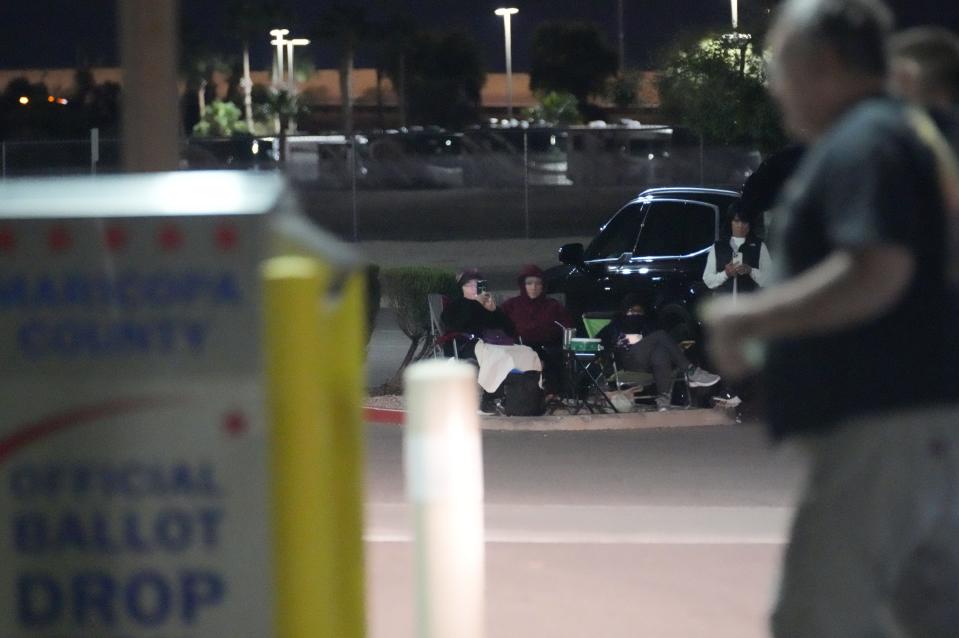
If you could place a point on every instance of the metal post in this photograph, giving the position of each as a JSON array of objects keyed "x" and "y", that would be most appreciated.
[
  {"x": 443, "y": 459},
  {"x": 247, "y": 84},
  {"x": 151, "y": 124},
  {"x": 289, "y": 66},
  {"x": 526, "y": 180},
  {"x": 278, "y": 42},
  {"x": 94, "y": 150},
  {"x": 622, "y": 39},
  {"x": 356, "y": 221},
  {"x": 509, "y": 67},
  {"x": 506, "y": 13},
  {"x": 702, "y": 159}
]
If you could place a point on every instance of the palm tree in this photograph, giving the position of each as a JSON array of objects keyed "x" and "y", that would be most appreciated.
[
  {"x": 198, "y": 63},
  {"x": 346, "y": 26},
  {"x": 250, "y": 20},
  {"x": 394, "y": 37}
]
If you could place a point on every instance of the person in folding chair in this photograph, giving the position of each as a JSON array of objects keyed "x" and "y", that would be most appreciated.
[
  {"x": 640, "y": 345},
  {"x": 476, "y": 316},
  {"x": 539, "y": 322},
  {"x": 489, "y": 339}
]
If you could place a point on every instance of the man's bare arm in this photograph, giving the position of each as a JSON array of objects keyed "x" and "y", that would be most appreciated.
[{"x": 846, "y": 288}]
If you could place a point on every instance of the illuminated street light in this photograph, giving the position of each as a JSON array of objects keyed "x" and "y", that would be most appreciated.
[
  {"x": 295, "y": 42},
  {"x": 506, "y": 12},
  {"x": 24, "y": 100},
  {"x": 278, "y": 41}
]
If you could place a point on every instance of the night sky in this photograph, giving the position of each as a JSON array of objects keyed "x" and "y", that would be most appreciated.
[{"x": 65, "y": 33}]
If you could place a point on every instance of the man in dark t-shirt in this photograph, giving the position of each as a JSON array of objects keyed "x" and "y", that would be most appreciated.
[{"x": 854, "y": 329}]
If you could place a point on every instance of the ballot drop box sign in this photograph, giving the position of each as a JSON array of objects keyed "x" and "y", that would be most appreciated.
[{"x": 133, "y": 460}]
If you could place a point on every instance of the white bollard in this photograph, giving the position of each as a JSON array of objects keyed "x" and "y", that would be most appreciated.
[{"x": 444, "y": 483}]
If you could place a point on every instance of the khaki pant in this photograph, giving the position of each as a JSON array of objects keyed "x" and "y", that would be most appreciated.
[{"x": 874, "y": 550}]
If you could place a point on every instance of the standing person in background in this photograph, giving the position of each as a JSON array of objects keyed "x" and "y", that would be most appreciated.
[
  {"x": 739, "y": 261},
  {"x": 924, "y": 68},
  {"x": 539, "y": 322},
  {"x": 854, "y": 331}
]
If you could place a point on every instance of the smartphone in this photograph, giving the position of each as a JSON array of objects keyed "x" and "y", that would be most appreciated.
[
  {"x": 481, "y": 286},
  {"x": 737, "y": 258}
]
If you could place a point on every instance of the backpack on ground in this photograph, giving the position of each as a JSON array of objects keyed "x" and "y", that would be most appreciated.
[{"x": 522, "y": 394}]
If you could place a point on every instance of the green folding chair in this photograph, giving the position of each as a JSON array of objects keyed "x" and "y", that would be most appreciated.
[
  {"x": 643, "y": 383},
  {"x": 596, "y": 321}
]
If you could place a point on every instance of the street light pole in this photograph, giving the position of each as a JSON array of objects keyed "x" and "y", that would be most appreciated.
[
  {"x": 622, "y": 39},
  {"x": 295, "y": 42},
  {"x": 506, "y": 12},
  {"x": 278, "y": 41}
]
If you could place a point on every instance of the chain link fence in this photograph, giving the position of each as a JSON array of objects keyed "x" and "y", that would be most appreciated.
[{"x": 427, "y": 184}]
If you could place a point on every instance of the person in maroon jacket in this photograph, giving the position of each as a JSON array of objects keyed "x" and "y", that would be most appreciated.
[{"x": 539, "y": 322}]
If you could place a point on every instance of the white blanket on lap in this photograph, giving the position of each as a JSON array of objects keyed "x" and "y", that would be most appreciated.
[{"x": 496, "y": 362}]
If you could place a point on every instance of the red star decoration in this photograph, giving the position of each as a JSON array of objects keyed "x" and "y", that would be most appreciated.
[
  {"x": 7, "y": 240},
  {"x": 170, "y": 237},
  {"x": 59, "y": 239},
  {"x": 116, "y": 237},
  {"x": 226, "y": 236},
  {"x": 235, "y": 423}
]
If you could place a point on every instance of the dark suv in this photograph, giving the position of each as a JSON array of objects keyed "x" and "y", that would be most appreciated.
[{"x": 656, "y": 245}]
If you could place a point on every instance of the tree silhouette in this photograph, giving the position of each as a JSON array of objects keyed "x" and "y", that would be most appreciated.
[
  {"x": 719, "y": 92},
  {"x": 346, "y": 26},
  {"x": 393, "y": 39},
  {"x": 571, "y": 57},
  {"x": 444, "y": 78}
]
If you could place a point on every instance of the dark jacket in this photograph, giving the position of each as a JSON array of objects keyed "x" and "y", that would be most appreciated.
[
  {"x": 469, "y": 316},
  {"x": 621, "y": 325},
  {"x": 535, "y": 319},
  {"x": 724, "y": 254}
]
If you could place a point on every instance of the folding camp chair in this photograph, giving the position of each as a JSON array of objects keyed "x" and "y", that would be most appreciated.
[
  {"x": 439, "y": 336},
  {"x": 642, "y": 384}
]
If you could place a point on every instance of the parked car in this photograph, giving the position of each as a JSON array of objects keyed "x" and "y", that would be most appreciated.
[{"x": 655, "y": 245}]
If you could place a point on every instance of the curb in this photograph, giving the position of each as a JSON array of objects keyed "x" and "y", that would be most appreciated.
[
  {"x": 576, "y": 422},
  {"x": 383, "y": 416}
]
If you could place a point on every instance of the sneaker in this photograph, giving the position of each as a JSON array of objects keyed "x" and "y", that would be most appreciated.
[
  {"x": 699, "y": 378},
  {"x": 732, "y": 402},
  {"x": 487, "y": 407},
  {"x": 663, "y": 403}
]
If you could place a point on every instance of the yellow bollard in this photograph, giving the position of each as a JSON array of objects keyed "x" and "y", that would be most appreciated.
[
  {"x": 345, "y": 355},
  {"x": 301, "y": 456},
  {"x": 315, "y": 351}
]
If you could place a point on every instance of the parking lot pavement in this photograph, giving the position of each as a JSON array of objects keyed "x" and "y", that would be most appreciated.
[{"x": 671, "y": 533}]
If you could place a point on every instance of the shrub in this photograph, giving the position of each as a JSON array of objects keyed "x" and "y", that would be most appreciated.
[
  {"x": 405, "y": 290},
  {"x": 558, "y": 109},
  {"x": 220, "y": 119}
]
